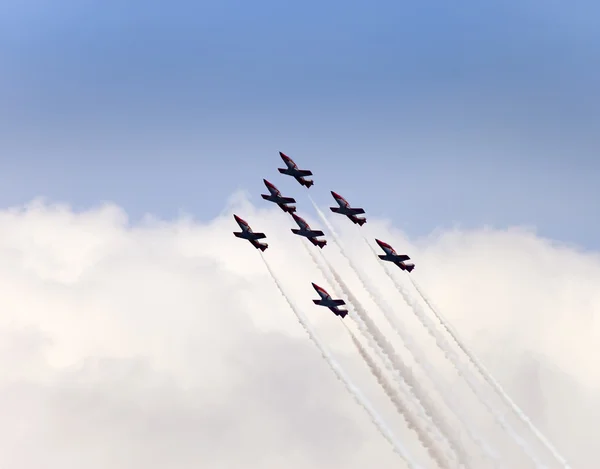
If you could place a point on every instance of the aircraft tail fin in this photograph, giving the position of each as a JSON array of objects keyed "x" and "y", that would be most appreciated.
[
  {"x": 308, "y": 183},
  {"x": 263, "y": 247},
  {"x": 410, "y": 267},
  {"x": 321, "y": 242},
  {"x": 361, "y": 221}
]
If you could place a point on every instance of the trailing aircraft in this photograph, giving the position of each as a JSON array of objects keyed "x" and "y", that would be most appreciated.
[
  {"x": 345, "y": 209},
  {"x": 306, "y": 231},
  {"x": 392, "y": 256},
  {"x": 327, "y": 301},
  {"x": 249, "y": 235},
  {"x": 276, "y": 197}
]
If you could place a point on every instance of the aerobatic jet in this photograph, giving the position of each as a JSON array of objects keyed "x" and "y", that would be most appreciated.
[
  {"x": 277, "y": 198},
  {"x": 292, "y": 170},
  {"x": 329, "y": 302},
  {"x": 393, "y": 257},
  {"x": 307, "y": 232},
  {"x": 250, "y": 235},
  {"x": 345, "y": 209}
]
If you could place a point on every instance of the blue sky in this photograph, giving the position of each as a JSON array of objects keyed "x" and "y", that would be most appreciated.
[{"x": 428, "y": 113}]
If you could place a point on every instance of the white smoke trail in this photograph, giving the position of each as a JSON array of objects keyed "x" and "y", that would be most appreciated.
[
  {"x": 490, "y": 379},
  {"x": 444, "y": 390},
  {"x": 428, "y": 405},
  {"x": 407, "y": 381},
  {"x": 423, "y": 434},
  {"x": 444, "y": 345},
  {"x": 342, "y": 376},
  {"x": 389, "y": 390}
]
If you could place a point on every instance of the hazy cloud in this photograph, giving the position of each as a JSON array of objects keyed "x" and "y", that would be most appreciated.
[{"x": 166, "y": 343}]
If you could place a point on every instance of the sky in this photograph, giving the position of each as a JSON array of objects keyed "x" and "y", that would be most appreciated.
[
  {"x": 429, "y": 114},
  {"x": 137, "y": 332}
]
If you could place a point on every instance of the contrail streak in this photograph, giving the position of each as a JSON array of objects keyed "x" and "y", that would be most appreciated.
[
  {"x": 453, "y": 358},
  {"x": 342, "y": 376},
  {"x": 424, "y": 398},
  {"x": 443, "y": 388},
  {"x": 406, "y": 379},
  {"x": 388, "y": 388},
  {"x": 423, "y": 434},
  {"x": 490, "y": 379}
]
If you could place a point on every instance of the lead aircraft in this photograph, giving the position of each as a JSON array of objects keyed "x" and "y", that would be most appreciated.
[{"x": 292, "y": 170}]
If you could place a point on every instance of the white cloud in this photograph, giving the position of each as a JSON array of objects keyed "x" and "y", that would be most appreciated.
[{"x": 167, "y": 344}]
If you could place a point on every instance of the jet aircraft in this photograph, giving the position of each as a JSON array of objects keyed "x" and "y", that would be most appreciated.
[
  {"x": 292, "y": 170},
  {"x": 250, "y": 235},
  {"x": 345, "y": 209},
  {"x": 328, "y": 302},
  {"x": 276, "y": 197},
  {"x": 307, "y": 232},
  {"x": 393, "y": 257}
]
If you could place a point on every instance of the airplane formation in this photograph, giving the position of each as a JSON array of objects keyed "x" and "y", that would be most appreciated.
[
  {"x": 431, "y": 437},
  {"x": 306, "y": 231}
]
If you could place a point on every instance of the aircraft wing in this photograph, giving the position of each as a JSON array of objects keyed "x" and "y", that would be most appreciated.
[
  {"x": 339, "y": 302},
  {"x": 287, "y": 200},
  {"x": 250, "y": 236},
  {"x": 402, "y": 258},
  {"x": 304, "y": 172},
  {"x": 314, "y": 233},
  {"x": 356, "y": 211}
]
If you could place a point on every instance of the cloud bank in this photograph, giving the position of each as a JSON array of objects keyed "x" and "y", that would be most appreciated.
[{"x": 167, "y": 343}]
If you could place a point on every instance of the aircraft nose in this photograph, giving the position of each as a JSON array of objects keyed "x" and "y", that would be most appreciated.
[{"x": 334, "y": 194}]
